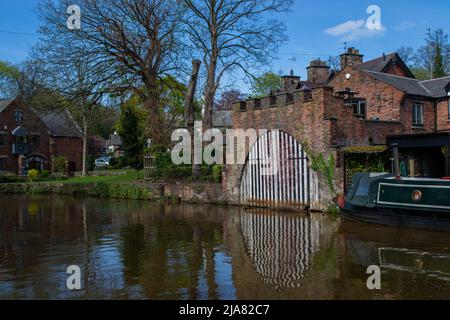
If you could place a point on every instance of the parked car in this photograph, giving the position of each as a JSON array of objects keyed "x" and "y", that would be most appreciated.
[{"x": 102, "y": 162}]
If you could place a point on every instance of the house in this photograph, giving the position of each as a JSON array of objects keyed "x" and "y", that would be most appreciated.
[
  {"x": 114, "y": 145},
  {"x": 32, "y": 140},
  {"x": 353, "y": 114}
]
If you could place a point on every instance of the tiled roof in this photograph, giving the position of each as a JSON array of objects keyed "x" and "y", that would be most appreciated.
[
  {"x": 5, "y": 103},
  {"x": 380, "y": 64},
  {"x": 408, "y": 85},
  {"x": 61, "y": 124},
  {"x": 437, "y": 87},
  {"x": 377, "y": 64}
]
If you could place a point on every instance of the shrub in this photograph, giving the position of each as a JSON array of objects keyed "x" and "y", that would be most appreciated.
[
  {"x": 33, "y": 174},
  {"x": 11, "y": 179},
  {"x": 217, "y": 173},
  {"x": 44, "y": 174},
  {"x": 113, "y": 162},
  {"x": 91, "y": 163},
  {"x": 60, "y": 164}
]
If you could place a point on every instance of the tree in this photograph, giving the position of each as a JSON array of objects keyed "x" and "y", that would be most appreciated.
[
  {"x": 130, "y": 129},
  {"x": 232, "y": 35},
  {"x": 426, "y": 55},
  {"x": 227, "y": 98},
  {"x": 266, "y": 83},
  {"x": 407, "y": 54},
  {"x": 438, "y": 70},
  {"x": 138, "y": 39},
  {"x": 334, "y": 62}
]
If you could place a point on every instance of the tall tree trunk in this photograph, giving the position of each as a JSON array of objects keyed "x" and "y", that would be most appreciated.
[
  {"x": 155, "y": 120},
  {"x": 210, "y": 92},
  {"x": 85, "y": 145},
  {"x": 189, "y": 111}
]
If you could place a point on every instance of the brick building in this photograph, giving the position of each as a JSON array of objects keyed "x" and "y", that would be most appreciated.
[
  {"x": 30, "y": 140},
  {"x": 355, "y": 108}
]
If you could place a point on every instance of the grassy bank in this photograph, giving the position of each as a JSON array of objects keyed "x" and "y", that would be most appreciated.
[
  {"x": 116, "y": 185},
  {"x": 116, "y": 176}
]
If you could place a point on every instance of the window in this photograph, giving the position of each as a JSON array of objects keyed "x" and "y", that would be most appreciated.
[
  {"x": 3, "y": 166},
  {"x": 20, "y": 139},
  {"x": 417, "y": 114},
  {"x": 3, "y": 139},
  {"x": 18, "y": 116},
  {"x": 358, "y": 107},
  {"x": 35, "y": 140}
]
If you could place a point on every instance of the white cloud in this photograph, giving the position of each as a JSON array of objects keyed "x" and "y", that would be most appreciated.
[
  {"x": 353, "y": 30},
  {"x": 404, "y": 25}
]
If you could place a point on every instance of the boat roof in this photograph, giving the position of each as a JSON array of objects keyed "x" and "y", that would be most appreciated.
[{"x": 418, "y": 179}]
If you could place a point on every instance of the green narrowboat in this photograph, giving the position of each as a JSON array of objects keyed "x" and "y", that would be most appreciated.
[{"x": 391, "y": 200}]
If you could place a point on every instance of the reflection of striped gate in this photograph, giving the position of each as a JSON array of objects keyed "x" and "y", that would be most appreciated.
[
  {"x": 281, "y": 247},
  {"x": 277, "y": 174}
]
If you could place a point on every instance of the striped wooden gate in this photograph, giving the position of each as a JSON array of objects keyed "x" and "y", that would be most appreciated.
[{"x": 277, "y": 174}]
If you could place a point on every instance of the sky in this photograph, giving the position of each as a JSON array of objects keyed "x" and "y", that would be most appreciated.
[{"x": 316, "y": 29}]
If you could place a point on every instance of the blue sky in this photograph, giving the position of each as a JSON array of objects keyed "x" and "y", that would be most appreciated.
[{"x": 404, "y": 24}]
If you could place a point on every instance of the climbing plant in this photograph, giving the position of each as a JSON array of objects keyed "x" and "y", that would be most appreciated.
[{"x": 324, "y": 168}]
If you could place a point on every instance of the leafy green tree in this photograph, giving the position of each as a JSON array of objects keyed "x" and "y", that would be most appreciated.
[
  {"x": 265, "y": 84},
  {"x": 131, "y": 130},
  {"x": 420, "y": 73},
  {"x": 438, "y": 70}
]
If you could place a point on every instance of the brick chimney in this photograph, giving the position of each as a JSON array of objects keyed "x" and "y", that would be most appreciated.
[
  {"x": 290, "y": 82},
  {"x": 318, "y": 71},
  {"x": 351, "y": 58}
]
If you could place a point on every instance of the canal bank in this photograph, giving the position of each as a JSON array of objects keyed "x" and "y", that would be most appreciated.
[{"x": 206, "y": 193}]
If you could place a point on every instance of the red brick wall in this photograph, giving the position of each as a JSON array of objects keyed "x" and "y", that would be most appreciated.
[
  {"x": 396, "y": 70},
  {"x": 383, "y": 100},
  {"x": 69, "y": 148},
  {"x": 428, "y": 116},
  {"x": 33, "y": 125},
  {"x": 443, "y": 122}
]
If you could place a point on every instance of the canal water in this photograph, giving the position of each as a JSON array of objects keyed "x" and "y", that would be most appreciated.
[{"x": 141, "y": 250}]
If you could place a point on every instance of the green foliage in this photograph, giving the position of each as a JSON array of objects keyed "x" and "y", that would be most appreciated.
[
  {"x": 117, "y": 163},
  {"x": 45, "y": 174},
  {"x": 33, "y": 174},
  {"x": 324, "y": 167},
  {"x": 60, "y": 164},
  {"x": 131, "y": 131},
  {"x": 360, "y": 162},
  {"x": 217, "y": 173},
  {"x": 438, "y": 70},
  {"x": 7, "y": 178},
  {"x": 420, "y": 73},
  {"x": 123, "y": 191},
  {"x": 166, "y": 169},
  {"x": 266, "y": 83},
  {"x": 91, "y": 163},
  {"x": 7, "y": 70}
]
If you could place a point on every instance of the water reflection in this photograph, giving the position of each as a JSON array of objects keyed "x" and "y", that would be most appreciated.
[
  {"x": 139, "y": 250},
  {"x": 282, "y": 246}
]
